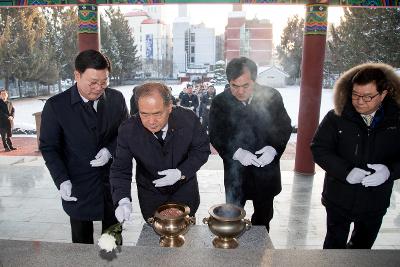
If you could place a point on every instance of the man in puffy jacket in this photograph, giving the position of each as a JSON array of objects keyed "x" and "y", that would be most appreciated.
[{"x": 357, "y": 144}]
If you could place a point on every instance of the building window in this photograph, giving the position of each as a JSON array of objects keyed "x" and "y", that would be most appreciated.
[
  {"x": 192, "y": 49},
  {"x": 192, "y": 39},
  {"x": 191, "y": 59}
]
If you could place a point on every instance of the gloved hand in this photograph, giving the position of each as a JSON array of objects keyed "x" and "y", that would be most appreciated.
[
  {"x": 246, "y": 158},
  {"x": 356, "y": 175},
  {"x": 65, "y": 191},
  {"x": 380, "y": 175},
  {"x": 268, "y": 155},
  {"x": 124, "y": 210},
  {"x": 171, "y": 177},
  {"x": 101, "y": 159}
]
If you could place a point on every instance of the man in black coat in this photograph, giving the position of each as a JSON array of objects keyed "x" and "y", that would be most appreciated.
[
  {"x": 78, "y": 137},
  {"x": 189, "y": 99},
  {"x": 249, "y": 127},
  {"x": 6, "y": 120},
  {"x": 205, "y": 104},
  {"x": 357, "y": 144},
  {"x": 169, "y": 146}
]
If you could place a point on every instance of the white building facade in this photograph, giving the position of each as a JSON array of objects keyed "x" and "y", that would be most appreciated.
[
  {"x": 179, "y": 29},
  {"x": 153, "y": 41}
]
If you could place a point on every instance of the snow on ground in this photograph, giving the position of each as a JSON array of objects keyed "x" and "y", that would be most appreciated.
[{"x": 24, "y": 108}]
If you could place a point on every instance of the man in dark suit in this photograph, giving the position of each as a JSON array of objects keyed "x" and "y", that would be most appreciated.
[
  {"x": 78, "y": 138},
  {"x": 189, "y": 99},
  {"x": 249, "y": 127},
  {"x": 169, "y": 146},
  {"x": 6, "y": 120}
]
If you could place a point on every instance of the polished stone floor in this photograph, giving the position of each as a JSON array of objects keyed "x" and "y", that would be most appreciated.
[{"x": 30, "y": 207}]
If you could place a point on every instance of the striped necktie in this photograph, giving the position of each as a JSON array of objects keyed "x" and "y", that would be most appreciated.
[{"x": 368, "y": 119}]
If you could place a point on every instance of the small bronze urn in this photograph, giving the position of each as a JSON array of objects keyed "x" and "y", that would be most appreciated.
[
  {"x": 227, "y": 222},
  {"x": 171, "y": 221}
]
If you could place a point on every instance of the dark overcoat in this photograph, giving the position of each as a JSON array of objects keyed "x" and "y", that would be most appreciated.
[
  {"x": 6, "y": 110},
  {"x": 190, "y": 101},
  {"x": 186, "y": 148},
  {"x": 343, "y": 141},
  {"x": 70, "y": 139},
  {"x": 205, "y": 104},
  {"x": 262, "y": 122}
]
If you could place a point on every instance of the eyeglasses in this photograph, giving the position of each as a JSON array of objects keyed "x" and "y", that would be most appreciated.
[
  {"x": 365, "y": 98},
  {"x": 103, "y": 84}
]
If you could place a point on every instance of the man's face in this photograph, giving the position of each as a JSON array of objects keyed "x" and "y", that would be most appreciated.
[
  {"x": 153, "y": 113},
  {"x": 368, "y": 90},
  {"x": 189, "y": 90},
  {"x": 92, "y": 83},
  {"x": 3, "y": 95},
  {"x": 242, "y": 87},
  {"x": 211, "y": 89}
]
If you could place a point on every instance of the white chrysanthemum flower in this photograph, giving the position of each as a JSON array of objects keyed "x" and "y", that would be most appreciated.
[{"x": 107, "y": 242}]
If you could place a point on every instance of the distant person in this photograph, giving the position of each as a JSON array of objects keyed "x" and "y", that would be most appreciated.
[
  {"x": 205, "y": 105},
  {"x": 181, "y": 94},
  {"x": 7, "y": 112},
  {"x": 133, "y": 107},
  {"x": 190, "y": 100},
  {"x": 249, "y": 127},
  {"x": 358, "y": 144},
  {"x": 169, "y": 146},
  {"x": 174, "y": 100},
  {"x": 78, "y": 137}
]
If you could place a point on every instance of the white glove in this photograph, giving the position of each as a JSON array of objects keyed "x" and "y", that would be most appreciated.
[
  {"x": 356, "y": 175},
  {"x": 171, "y": 177},
  {"x": 124, "y": 210},
  {"x": 65, "y": 191},
  {"x": 101, "y": 158},
  {"x": 246, "y": 158},
  {"x": 268, "y": 155},
  {"x": 380, "y": 175}
]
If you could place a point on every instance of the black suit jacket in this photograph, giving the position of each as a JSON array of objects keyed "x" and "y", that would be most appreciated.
[
  {"x": 70, "y": 139},
  {"x": 186, "y": 147}
]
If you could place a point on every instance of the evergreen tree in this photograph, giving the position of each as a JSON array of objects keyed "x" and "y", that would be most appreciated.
[
  {"x": 291, "y": 47},
  {"x": 69, "y": 41},
  {"x": 118, "y": 44},
  {"x": 366, "y": 35}
]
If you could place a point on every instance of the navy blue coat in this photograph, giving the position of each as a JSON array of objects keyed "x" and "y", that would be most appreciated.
[
  {"x": 186, "y": 148},
  {"x": 69, "y": 140}
]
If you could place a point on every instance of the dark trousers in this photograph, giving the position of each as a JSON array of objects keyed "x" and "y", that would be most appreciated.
[
  {"x": 6, "y": 137},
  {"x": 82, "y": 231},
  {"x": 366, "y": 229},
  {"x": 187, "y": 194},
  {"x": 263, "y": 208},
  {"x": 240, "y": 187}
]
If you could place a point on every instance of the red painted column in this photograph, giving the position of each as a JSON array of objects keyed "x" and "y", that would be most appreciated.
[
  {"x": 88, "y": 37},
  {"x": 311, "y": 84}
]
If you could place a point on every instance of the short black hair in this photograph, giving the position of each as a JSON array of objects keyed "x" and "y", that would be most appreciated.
[
  {"x": 237, "y": 66},
  {"x": 151, "y": 88},
  {"x": 368, "y": 75},
  {"x": 91, "y": 59}
]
